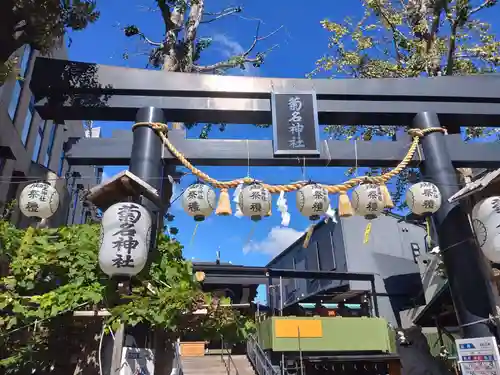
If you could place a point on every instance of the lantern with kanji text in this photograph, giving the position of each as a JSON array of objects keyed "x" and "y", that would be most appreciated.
[
  {"x": 125, "y": 239},
  {"x": 198, "y": 201},
  {"x": 486, "y": 223},
  {"x": 423, "y": 198},
  {"x": 312, "y": 201},
  {"x": 39, "y": 200},
  {"x": 368, "y": 201},
  {"x": 254, "y": 201}
]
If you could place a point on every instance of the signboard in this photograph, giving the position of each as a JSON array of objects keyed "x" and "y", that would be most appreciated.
[
  {"x": 137, "y": 361},
  {"x": 478, "y": 356},
  {"x": 295, "y": 124}
]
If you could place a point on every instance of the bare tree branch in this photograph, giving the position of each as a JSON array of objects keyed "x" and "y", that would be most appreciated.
[
  {"x": 149, "y": 41},
  {"x": 232, "y": 63},
  {"x": 395, "y": 31},
  {"x": 485, "y": 4},
  {"x": 243, "y": 58},
  {"x": 224, "y": 13},
  {"x": 133, "y": 30},
  {"x": 258, "y": 38}
]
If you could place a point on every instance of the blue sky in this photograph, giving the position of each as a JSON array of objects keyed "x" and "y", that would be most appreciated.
[{"x": 301, "y": 42}]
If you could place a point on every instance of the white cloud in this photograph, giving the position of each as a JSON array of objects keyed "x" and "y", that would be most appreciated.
[
  {"x": 277, "y": 240},
  {"x": 228, "y": 48}
]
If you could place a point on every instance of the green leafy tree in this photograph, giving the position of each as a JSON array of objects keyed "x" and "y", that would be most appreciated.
[
  {"x": 410, "y": 38},
  {"x": 53, "y": 272},
  {"x": 182, "y": 43},
  {"x": 39, "y": 23}
]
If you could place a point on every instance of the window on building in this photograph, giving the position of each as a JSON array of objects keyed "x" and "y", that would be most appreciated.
[
  {"x": 27, "y": 121},
  {"x": 415, "y": 250},
  {"x": 14, "y": 100},
  {"x": 61, "y": 164},
  {"x": 18, "y": 86},
  {"x": 50, "y": 129},
  {"x": 38, "y": 142},
  {"x": 25, "y": 61},
  {"x": 2, "y": 164},
  {"x": 332, "y": 244},
  {"x": 319, "y": 257}
]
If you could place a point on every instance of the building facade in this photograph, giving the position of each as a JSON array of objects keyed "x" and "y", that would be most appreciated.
[
  {"x": 387, "y": 247},
  {"x": 32, "y": 149}
]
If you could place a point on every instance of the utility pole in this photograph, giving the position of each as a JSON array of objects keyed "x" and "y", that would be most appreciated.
[{"x": 461, "y": 256}]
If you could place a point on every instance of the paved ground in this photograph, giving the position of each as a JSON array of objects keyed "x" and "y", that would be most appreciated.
[{"x": 212, "y": 365}]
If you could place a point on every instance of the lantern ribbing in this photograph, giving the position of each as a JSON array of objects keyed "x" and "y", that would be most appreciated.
[{"x": 416, "y": 134}]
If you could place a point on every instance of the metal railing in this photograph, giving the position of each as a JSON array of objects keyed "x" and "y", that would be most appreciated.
[
  {"x": 230, "y": 360},
  {"x": 178, "y": 359},
  {"x": 258, "y": 358}
]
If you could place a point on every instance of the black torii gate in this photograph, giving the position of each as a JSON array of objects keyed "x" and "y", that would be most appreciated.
[{"x": 67, "y": 90}]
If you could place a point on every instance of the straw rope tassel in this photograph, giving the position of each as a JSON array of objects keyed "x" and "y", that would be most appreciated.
[
  {"x": 224, "y": 205},
  {"x": 386, "y": 196},
  {"x": 345, "y": 207}
]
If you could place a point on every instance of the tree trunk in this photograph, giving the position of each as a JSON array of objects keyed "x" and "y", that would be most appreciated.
[{"x": 164, "y": 352}]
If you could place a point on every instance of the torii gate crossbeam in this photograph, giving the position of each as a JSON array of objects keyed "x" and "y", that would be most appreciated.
[{"x": 68, "y": 90}]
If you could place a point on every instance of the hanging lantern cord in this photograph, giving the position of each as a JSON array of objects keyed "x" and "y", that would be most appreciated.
[{"x": 416, "y": 134}]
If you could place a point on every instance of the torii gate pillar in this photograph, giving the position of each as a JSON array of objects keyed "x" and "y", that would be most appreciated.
[
  {"x": 146, "y": 160},
  {"x": 462, "y": 257}
]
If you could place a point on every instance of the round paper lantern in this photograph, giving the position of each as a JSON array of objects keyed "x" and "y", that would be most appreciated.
[
  {"x": 423, "y": 198},
  {"x": 368, "y": 201},
  {"x": 198, "y": 201},
  {"x": 312, "y": 201},
  {"x": 486, "y": 223},
  {"x": 125, "y": 238},
  {"x": 254, "y": 201},
  {"x": 39, "y": 200}
]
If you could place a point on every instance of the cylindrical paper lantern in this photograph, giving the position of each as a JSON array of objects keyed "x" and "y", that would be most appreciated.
[{"x": 125, "y": 239}]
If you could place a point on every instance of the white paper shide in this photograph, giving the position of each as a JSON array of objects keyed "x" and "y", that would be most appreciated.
[
  {"x": 486, "y": 223},
  {"x": 125, "y": 236},
  {"x": 39, "y": 200}
]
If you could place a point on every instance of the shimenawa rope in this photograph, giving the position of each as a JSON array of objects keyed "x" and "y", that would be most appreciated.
[{"x": 416, "y": 134}]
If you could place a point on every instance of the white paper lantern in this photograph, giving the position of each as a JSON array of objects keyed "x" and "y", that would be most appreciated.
[
  {"x": 423, "y": 198},
  {"x": 125, "y": 238},
  {"x": 486, "y": 223},
  {"x": 312, "y": 201},
  {"x": 368, "y": 201},
  {"x": 39, "y": 200},
  {"x": 198, "y": 201},
  {"x": 254, "y": 201}
]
